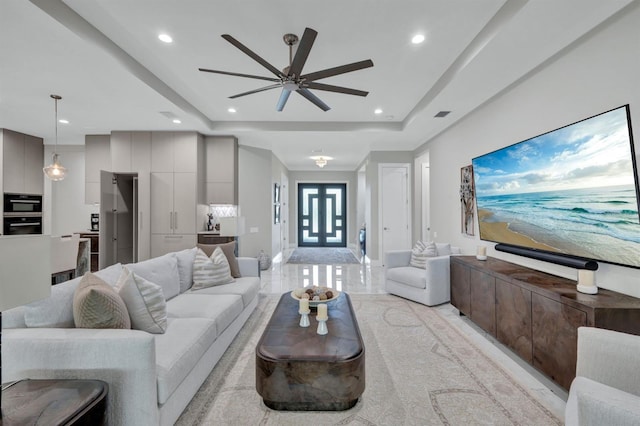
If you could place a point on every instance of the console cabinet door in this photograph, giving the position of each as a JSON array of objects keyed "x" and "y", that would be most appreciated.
[
  {"x": 460, "y": 291},
  {"x": 555, "y": 338},
  {"x": 483, "y": 300},
  {"x": 513, "y": 318},
  {"x": 33, "y": 162}
]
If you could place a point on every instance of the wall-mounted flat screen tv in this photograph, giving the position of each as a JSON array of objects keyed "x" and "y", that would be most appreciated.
[{"x": 572, "y": 191}]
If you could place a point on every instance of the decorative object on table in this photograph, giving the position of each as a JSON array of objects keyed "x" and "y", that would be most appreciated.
[
  {"x": 315, "y": 294},
  {"x": 322, "y": 318},
  {"x": 587, "y": 281},
  {"x": 210, "y": 223},
  {"x": 21, "y": 279},
  {"x": 481, "y": 253},
  {"x": 55, "y": 171},
  {"x": 264, "y": 260},
  {"x": 466, "y": 199},
  {"x": 304, "y": 311}
]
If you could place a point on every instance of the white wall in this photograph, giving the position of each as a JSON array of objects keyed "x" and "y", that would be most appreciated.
[
  {"x": 598, "y": 74},
  {"x": 65, "y": 210}
]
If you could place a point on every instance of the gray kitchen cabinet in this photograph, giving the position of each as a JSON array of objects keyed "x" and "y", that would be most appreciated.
[
  {"x": 222, "y": 169},
  {"x": 96, "y": 158},
  {"x": 23, "y": 159}
]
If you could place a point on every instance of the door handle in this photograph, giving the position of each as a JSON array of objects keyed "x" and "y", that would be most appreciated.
[
  {"x": 170, "y": 220},
  {"x": 175, "y": 221}
]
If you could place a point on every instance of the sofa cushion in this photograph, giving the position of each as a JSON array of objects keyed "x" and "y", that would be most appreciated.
[
  {"x": 420, "y": 252},
  {"x": 161, "y": 270},
  {"x": 210, "y": 271},
  {"x": 110, "y": 274},
  {"x": 247, "y": 288},
  {"x": 145, "y": 302},
  {"x": 179, "y": 349},
  {"x": 185, "y": 267},
  {"x": 229, "y": 251},
  {"x": 56, "y": 311},
  {"x": 97, "y": 305},
  {"x": 220, "y": 308},
  {"x": 408, "y": 275}
]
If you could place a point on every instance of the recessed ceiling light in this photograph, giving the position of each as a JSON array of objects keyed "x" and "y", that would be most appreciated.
[
  {"x": 63, "y": 121},
  {"x": 231, "y": 110},
  {"x": 165, "y": 38},
  {"x": 417, "y": 39},
  {"x": 377, "y": 111},
  {"x": 177, "y": 121}
]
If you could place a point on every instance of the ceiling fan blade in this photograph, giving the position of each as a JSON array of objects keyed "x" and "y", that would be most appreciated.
[
  {"x": 306, "y": 43},
  {"x": 253, "y": 55},
  {"x": 250, "y": 92},
  {"x": 329, "y": 72},
  {"x": 284, "y": 96},
  {"x": 337, "y": 89},
  {"x": 314, "y": 99},
  {"x": 237, "y": 74}
]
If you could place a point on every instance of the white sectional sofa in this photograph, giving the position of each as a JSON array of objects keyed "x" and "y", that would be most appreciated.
[{"x": 151, "y": 377}]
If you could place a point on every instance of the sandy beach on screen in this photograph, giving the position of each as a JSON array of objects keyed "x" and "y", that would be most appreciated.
[{"x": 499, "y": 231}]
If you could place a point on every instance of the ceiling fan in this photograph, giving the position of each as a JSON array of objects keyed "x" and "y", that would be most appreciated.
[{"x": 291, "y": 79}]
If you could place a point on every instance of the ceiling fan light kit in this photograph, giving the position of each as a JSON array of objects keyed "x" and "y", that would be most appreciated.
[{"x": 291, "y": 79}]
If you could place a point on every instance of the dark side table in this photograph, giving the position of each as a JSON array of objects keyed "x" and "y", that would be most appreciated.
[{"x": 54, "y": 402}]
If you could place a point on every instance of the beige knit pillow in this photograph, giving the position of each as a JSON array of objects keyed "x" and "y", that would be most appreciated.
[{"x": 97, "y": 305}]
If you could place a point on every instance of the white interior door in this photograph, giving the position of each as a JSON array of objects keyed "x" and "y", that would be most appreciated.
[
  {"x": 425, "y": 204},
  {"x": 395, "y": 217}
]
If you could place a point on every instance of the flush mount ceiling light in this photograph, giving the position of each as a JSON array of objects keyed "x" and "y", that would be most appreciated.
[
  {"x": 55, "y": 171},
  {"x": 417, "y": 39},
  {"x": 176, "y": 121},
  {"x": 321, "y": 160},
  {"x": 377, "y": 111},
  {"x": 166, "y": 38},
  {"x": 231, "y": 110}
]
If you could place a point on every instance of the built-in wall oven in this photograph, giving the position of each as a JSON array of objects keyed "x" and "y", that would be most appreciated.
[{"x": 22, "y": 214}]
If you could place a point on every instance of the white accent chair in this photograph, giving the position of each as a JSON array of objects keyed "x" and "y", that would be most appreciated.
[
  {"x": 606, "y": 390},
  {"x": 429, "y": 286}
]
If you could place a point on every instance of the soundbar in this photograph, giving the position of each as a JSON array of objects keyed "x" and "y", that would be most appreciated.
[{"x": 558, "y": 259}]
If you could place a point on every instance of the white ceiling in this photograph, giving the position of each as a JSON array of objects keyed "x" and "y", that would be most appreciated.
[{"x": 105, "y": 60}]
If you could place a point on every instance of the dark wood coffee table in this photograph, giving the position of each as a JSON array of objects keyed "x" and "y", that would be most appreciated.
[
  {"x": 55, "y": 402},
  {"x": 298, "y": 369}
]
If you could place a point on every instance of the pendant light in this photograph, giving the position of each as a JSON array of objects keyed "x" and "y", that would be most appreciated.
[{"x": 55, "y": 171}]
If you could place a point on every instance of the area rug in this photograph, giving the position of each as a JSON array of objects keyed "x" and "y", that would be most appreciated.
[
  {"x": 420, "y": 370},
  {"x": 322, "y": 256}
]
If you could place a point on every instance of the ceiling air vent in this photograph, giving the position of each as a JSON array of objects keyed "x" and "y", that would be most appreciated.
[{"x": 442, "y": 114}]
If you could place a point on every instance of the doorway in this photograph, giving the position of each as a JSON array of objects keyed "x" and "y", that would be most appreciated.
[
  {"x": 322, "y": 215},
  {"x": 394, "y": 207}
]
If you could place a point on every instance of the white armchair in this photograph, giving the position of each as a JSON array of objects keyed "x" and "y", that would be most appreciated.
[
  {"x": 606, "y": 390},
  {"x": 429, "y": 286}
]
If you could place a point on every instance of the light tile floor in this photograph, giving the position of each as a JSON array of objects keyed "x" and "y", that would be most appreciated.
[{"x": 367, "y": 279}]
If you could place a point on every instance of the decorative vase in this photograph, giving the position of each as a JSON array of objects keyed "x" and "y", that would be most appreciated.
[{"x": 264, "y": 260}]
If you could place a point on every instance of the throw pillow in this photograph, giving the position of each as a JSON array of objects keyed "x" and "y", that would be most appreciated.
[
  {"x": 420, "y": 252},
  {"x": 145, "y": 302},
  {"x": 229, "y": 251},
  {"x": 210, "y": 271},
  {"x": 97, "y": 305}
]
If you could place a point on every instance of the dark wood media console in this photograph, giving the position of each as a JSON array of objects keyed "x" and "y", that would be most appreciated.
[{"x": 536, "y": 314}]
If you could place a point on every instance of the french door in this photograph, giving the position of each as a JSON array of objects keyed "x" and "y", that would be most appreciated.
[{"x": 322, "y": 215}]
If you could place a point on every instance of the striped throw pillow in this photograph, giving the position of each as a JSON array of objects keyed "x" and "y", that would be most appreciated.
[
  {"x": 211, "y": 271},
  {"x": 420, "y": 252}
]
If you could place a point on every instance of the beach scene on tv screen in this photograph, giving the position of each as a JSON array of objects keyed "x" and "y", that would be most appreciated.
[{"x": 569, "y": 191}]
